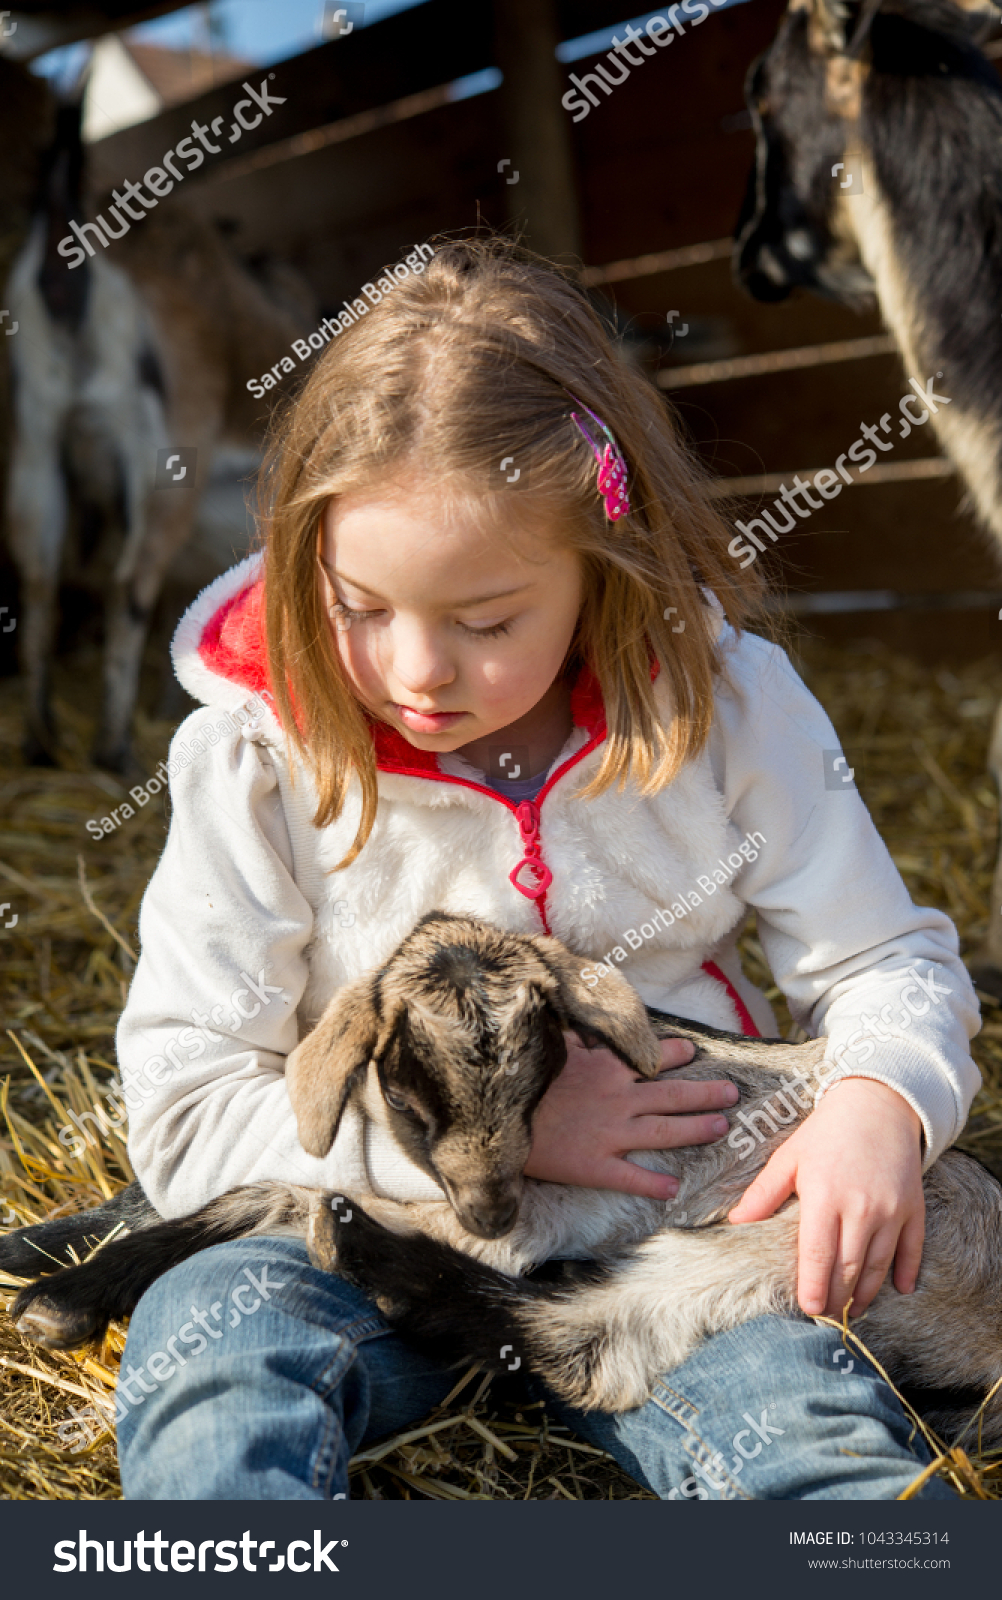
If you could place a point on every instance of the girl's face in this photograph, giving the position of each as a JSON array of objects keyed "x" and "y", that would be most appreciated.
[{"x": 446, "y": 633}]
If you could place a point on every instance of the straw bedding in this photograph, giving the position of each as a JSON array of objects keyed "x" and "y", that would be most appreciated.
[{"x": 916, "y": 737}]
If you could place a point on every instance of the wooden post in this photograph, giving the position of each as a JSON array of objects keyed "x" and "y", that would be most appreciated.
[{"x": 544, "y": 202}]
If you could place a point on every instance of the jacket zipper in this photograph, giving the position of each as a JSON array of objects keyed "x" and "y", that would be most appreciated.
[
  {"x": 531, "y": 867},
  {"x": 538, "y": 875}
]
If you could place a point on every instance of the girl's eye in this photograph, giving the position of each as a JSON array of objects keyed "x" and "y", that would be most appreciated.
[
  {"x": 488, "y": 633},
  {"x": 344, "y": 616},
  {"x": 395, "y": 1101}
]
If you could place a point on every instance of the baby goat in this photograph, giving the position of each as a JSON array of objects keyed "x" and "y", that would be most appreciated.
[{"x": 451, "y": 1046}]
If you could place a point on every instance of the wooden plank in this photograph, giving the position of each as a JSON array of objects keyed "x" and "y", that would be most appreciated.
[
  {"x": 426, "y": 47},
  {"x": 775, "y": 361},
  {"x": 540, "y": 187},
  {"x": 924, "y": 468},
  {"x": 351, "y": 208},
  {"x": 649, "y": 266},
  {"x": 662, "y": 163},
  {"x": 852, "y": 602}
]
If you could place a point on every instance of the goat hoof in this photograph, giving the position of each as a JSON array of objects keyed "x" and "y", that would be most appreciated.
[{"x": 49, "y": 1324}]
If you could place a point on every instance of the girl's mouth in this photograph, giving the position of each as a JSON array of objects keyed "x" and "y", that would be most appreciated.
[{"x": 427, "y": 721}]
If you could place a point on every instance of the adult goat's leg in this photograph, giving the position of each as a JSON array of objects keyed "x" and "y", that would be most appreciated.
[
  {"x": 37, "y": 515},
  {"x": 161, "y": 520},
  {"x": 985, "y": 963}
]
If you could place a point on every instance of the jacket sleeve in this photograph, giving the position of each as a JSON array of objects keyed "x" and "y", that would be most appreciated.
[
  {"x": 211, "y": 1014},
  {"x": 856, "y": 959}
]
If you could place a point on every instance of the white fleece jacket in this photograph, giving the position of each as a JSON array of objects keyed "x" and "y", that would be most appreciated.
[{"x": 246, "y": 933}]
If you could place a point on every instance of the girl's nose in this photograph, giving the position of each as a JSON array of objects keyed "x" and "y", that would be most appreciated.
[{"x": 419, "y": 662}]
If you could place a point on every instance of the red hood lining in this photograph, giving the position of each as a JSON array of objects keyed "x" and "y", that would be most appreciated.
[{"x": 233, "y": 647}]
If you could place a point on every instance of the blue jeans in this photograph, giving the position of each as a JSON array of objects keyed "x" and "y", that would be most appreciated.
[{"x": 250, "y": 1375}]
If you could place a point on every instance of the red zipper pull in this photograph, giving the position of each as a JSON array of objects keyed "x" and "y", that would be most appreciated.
[{"x": 527, "y": 816}]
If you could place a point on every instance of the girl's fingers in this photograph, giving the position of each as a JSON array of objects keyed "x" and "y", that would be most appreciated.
[
  {"x": 819, "y": 1243},
  {"x": 877, "y": 1253},
  {"x": 626, "y": 1178},
  {"x": 908, "y": 1257},
  {"x": 668, "y": 1133},
  {"x": 774, "y": 1184},
  {"x": 668, "y": 1097},
  {"x": 677, "y": 1052}
]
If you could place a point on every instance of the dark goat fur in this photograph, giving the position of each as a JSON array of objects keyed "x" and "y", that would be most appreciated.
[{"x": 426, "y": 1046}]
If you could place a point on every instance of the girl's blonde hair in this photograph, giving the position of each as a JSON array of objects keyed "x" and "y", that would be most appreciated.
[{"x": 470, "y": 361}]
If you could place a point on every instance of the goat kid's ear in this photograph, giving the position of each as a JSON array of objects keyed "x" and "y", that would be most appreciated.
[
  {"x": 320, "y": 1072},
  {"x": 612, "y": 1013}
]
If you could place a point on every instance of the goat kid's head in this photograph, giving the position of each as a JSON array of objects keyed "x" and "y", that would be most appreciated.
[
  {"x": 460, "y": 1035},
  {"x": 808, "y": 96}
]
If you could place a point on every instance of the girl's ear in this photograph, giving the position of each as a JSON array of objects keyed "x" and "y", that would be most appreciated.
[
  {"x": 322, "y": 1069},
  {"x": 611, "y": 1012}
]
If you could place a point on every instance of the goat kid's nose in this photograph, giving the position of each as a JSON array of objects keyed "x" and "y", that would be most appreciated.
[{"x": 490, "y": 1221}]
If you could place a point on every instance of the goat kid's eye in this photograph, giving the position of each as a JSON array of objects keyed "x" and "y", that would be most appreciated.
[{"x": 395, "y": 1101}]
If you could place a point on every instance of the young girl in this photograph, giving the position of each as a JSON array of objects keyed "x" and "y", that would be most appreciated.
[{"x": 495, "y": 651}]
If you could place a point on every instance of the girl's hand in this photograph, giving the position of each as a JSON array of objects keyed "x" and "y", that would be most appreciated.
[
  {"x": 856, "y": 1164},
  {"x": 597, "y": 1109}
]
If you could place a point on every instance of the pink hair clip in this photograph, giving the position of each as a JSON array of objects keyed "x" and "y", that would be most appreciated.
[{"x": 611, "y": 465}]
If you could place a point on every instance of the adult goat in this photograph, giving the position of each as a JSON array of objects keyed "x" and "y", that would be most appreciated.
[
  {"x": 903, "y": 84},
  {"x": 146, "y": 347}
]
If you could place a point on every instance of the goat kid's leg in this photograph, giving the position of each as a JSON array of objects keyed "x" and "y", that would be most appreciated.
[
  {"x": 606, "y": 1343},
  {"x": 46, "y": 1246},
  {"x": 75, "y": 1305},
  {"x": 448, "y": 1303},
  {"x": 601, "y": 1343}
]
